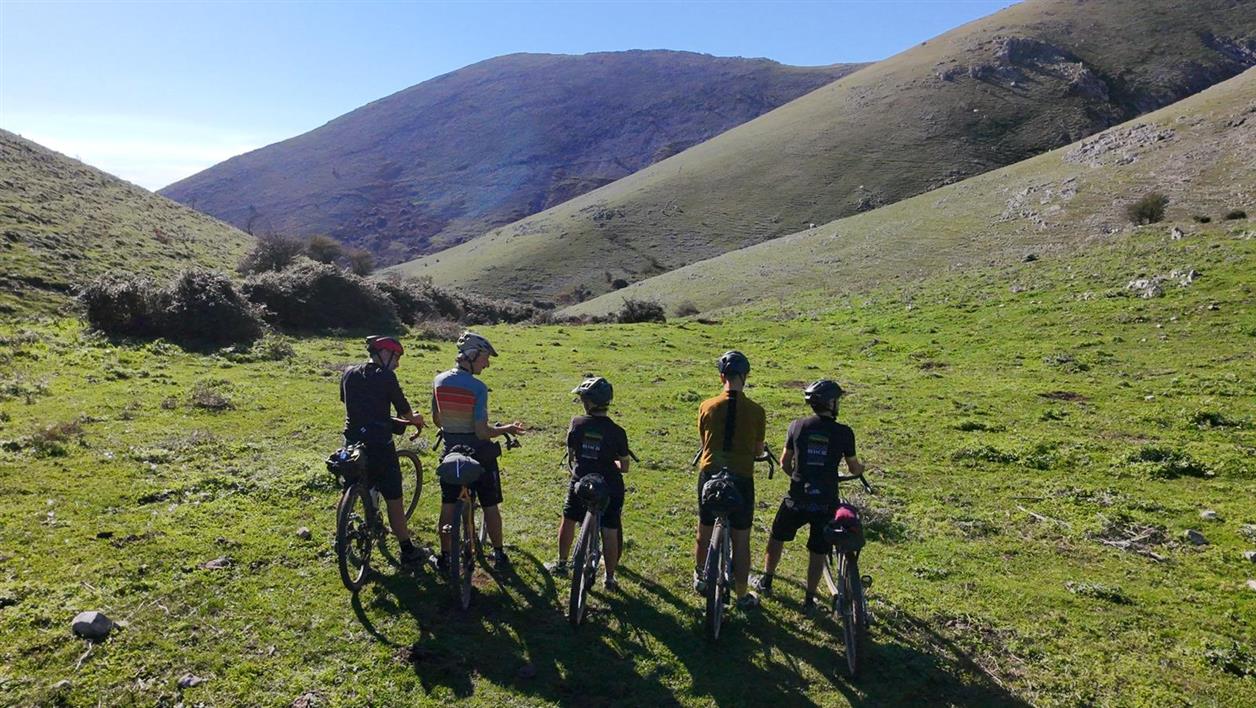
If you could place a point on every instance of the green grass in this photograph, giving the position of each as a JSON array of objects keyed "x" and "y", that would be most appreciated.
[
  {"x": 976, "y": 407},
  {"x": 62, "y": 223},
  {"x": 1065, "y": 199},
  {"x": 889, "y": 131}
]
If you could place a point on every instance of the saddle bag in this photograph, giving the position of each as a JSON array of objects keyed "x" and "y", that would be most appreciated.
[
  {"x": 592, "y": 490},
  {"x": 459, "y": 467},
  {"x": 348, "y": 463},
  {"x": 720, "y": 494},
  {"x": 845, "y": 529}
]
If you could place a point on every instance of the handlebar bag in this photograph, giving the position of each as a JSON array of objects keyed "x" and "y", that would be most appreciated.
[
  {"x": 845, "y": 530},
  {"x": 720, "y": 494},
  {"x": 459, "y": 467}
]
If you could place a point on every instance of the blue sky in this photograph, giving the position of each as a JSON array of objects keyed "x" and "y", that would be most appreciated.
[{"x": 154, "y": 91}]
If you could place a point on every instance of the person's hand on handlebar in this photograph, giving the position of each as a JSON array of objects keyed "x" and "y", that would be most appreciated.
[
  {"x": 415, "y": 419},
  {"x": 515, "y": 428}
]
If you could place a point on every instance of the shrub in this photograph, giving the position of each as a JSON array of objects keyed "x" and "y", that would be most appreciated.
[
  {"x": 686, "y": 309},
  {"x": 208, "y": 395},
  {"x": 417, "y": 300},
  {"x": 1148, "y": 210},
  {"x": 203, "y": 306},
  {"x": 122, "y": 304},
  {"x": 323, "y": 249},
  {"x": 271, "y": 253},
  {"x": 1234, "y": 214},
  {"x": 641, "y": 311},
  {"x": 1199, "y": 219},
  {"x": 1164, "y": 463},
  {"x": 361, "y": 262},
  {"x": 619, "y": 284},
  {"x": 316, "y": 297}
]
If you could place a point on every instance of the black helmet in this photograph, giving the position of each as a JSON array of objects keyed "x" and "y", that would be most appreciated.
[
  {"x": 822, "y": 392},
  {"x": 376, "y": 343},
  {"x": 596, "y": 390},
  {"x": 733, "y": 363}
]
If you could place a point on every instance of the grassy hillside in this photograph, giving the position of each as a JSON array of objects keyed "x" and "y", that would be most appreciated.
[
  {"x": 450, "y": 158},
  {"x": 1035, "y": 76},
  {"x": 64, "y": 222},
  {"x": 1200, "y": 153},
  {"x": 1019, "y": 420}
]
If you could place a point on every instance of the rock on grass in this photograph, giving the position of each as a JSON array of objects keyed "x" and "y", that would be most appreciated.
[{"x": 92, "y": 625}]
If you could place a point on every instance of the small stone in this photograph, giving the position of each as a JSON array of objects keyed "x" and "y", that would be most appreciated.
[
  {"x": 190, "y": 681},
  {"x": 1248, "y": 531},
  {"x": 1251, "y": 585},
  {"x": 1209, "y": 515},
  {"x": 92, "y": 625},
  {"x": 62, "y": 686},
  {"x": 304, "y": 534},
  {"x": 1195, "y": 537},
  {"x": 217, "y": 563},
  {"x": 1250, "y": 556}
]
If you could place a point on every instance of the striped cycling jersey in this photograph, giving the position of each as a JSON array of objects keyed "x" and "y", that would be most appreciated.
[{"x": 459, "y": 400}]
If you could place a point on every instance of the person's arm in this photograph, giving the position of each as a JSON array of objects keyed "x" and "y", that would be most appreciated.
[
  {"x": 624, "y": 458},
  {"x": 787, "y": 454},
  {"x": 852, "y": 462},
  {"x": 435, "y": 410},
  {"x": 405, "y": 413}
]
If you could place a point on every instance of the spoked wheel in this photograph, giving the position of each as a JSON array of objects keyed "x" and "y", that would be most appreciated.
[
  {"x": 583, "y": 571},
  {"x": 467, "y": 560},
  {"x": 459, "y": 570},
  {"x": 853, "y": 613},
  {"x": 716, "y": 571},
  {"x": 411, "y": 479},
  {"x": 354, "y": 539}
]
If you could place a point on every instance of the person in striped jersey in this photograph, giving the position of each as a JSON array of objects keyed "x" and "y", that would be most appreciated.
[{"x": 460, "y": 408}]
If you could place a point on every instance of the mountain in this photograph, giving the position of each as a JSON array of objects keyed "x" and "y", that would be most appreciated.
[
  {"x": 996, "y": 91},
  {"x": 450, "y": 158},
  {"x": 64, "y": 222},
  {"x": 1200, "y": 153}
]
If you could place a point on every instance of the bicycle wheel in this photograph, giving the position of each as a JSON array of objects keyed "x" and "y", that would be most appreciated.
[
  {"x": 581, "y": 577},
  {"x": 353, "y": 539},
  {"x": 717, "y": 590},
  {"x": 468, "y": 560},
  {"x": 850, "y": 597},
  {"x": 455, "y": 553},
  {"x": 411, "y": 479}
]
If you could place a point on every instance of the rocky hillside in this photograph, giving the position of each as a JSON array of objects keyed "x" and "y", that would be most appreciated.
[
  {"x": 63, "y": 222},
  {"x": 453, "y": 157},
  {"x": 1199, "y": 153},
  {"x": 1033, "y": 77}
]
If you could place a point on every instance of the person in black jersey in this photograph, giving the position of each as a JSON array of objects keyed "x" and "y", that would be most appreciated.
[
  {"x": 815, "y": 447},
  {"x": 596, "y": 445},
  {"x": 370, "y": 391}
]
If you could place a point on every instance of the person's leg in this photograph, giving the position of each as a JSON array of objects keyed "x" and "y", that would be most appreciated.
[
  {"x": 397, "y": 520},
  {"x": 704, "y": 540},
  {"x": 489, "y": 491},
  {"x": 493, "y": 522},
  {"x": 566, "y": 531},
  {"x": 772, "y": 556},
  {"x": 819, "y": 549},
  {"x": 444, "y": 527},
  {"x": 610, "y": 536},
  {"x": 814, "y": 569}
]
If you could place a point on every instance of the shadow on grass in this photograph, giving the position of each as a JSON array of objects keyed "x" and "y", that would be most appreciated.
[{"x": 645, "y": 645}]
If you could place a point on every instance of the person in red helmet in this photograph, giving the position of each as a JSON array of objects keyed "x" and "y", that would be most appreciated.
[{"x": 370, "y": 391}]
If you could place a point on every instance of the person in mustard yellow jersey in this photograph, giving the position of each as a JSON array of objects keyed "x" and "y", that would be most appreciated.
[{"x": 731, "y": 427}]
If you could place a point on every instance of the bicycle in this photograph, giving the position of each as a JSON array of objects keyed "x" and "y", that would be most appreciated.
[
  {"x": 467, "y": 534},
  {"x": 586, "y": 556},
  {"x": 359, "y": 525},
  {"x": 841, "y": 574},
  {"x": 717, "y": 573}
]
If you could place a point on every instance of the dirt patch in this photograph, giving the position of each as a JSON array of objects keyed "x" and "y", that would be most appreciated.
[{"x": 1062, "y": 396}]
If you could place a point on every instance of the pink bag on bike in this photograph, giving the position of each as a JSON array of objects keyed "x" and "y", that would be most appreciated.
[{"x": 845, "y": 530}]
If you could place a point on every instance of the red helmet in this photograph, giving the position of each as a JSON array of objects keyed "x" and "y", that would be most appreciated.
[{"x": 376, "y": 343}]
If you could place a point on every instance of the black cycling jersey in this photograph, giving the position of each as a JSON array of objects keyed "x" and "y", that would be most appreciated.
[
  {"x": 819, "y": 445},
  {"x": 595, "y": 443},
  {"x": 369, "y": 391}
]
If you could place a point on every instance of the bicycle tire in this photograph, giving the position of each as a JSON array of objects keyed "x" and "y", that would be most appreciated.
[
  {"x": 467, "y": 555},
  {"x": 455, "y": 552},
  {"x": 353, "y": 540},
  {"x": 481, "y": 531},
  {"x": 716, "y": 588},
  {"x": 580, "y": 575},
  {"x": 860, "y": 607},
  {"x": 411, "y": 484},
  {"x": 850, "y": 588}
]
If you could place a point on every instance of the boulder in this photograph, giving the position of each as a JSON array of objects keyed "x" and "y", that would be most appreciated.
[
  {"x": 1209, "y": 515},
  {"x": 217, "y": 563},
  {"x": 1195, "y": 537},
  {"x": 1251, "y": 585},
  {"x": 304, "y": 534},
  {"x": 1250, "y": 555},
  {"x": 92, "y": 625},
  {"x": 190, "y": 681}
]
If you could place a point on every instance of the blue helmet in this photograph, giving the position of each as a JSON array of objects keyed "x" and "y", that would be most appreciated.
[{"x": 733, "y": 363}]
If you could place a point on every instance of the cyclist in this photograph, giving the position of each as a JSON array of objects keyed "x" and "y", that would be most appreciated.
[
  {"x": 368, "y": 390},
  {"x": 731, "y": 427},
  {"x": 596, "y": 446},
  {"x": 460, "y": 408},
  {"x": 814, "y": 448}
]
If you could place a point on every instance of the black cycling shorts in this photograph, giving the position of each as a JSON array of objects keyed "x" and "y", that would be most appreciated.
[
  {"x": 383, "y": 470},
  {"x": 574, "y": 509},
  {"x": 788, "y": 520},
  {"x": 488, "y": 488},
  {"x": 741, "y": 519}
]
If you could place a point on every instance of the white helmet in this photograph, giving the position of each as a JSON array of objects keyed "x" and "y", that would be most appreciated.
[{"x": 471, "y": 343}]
